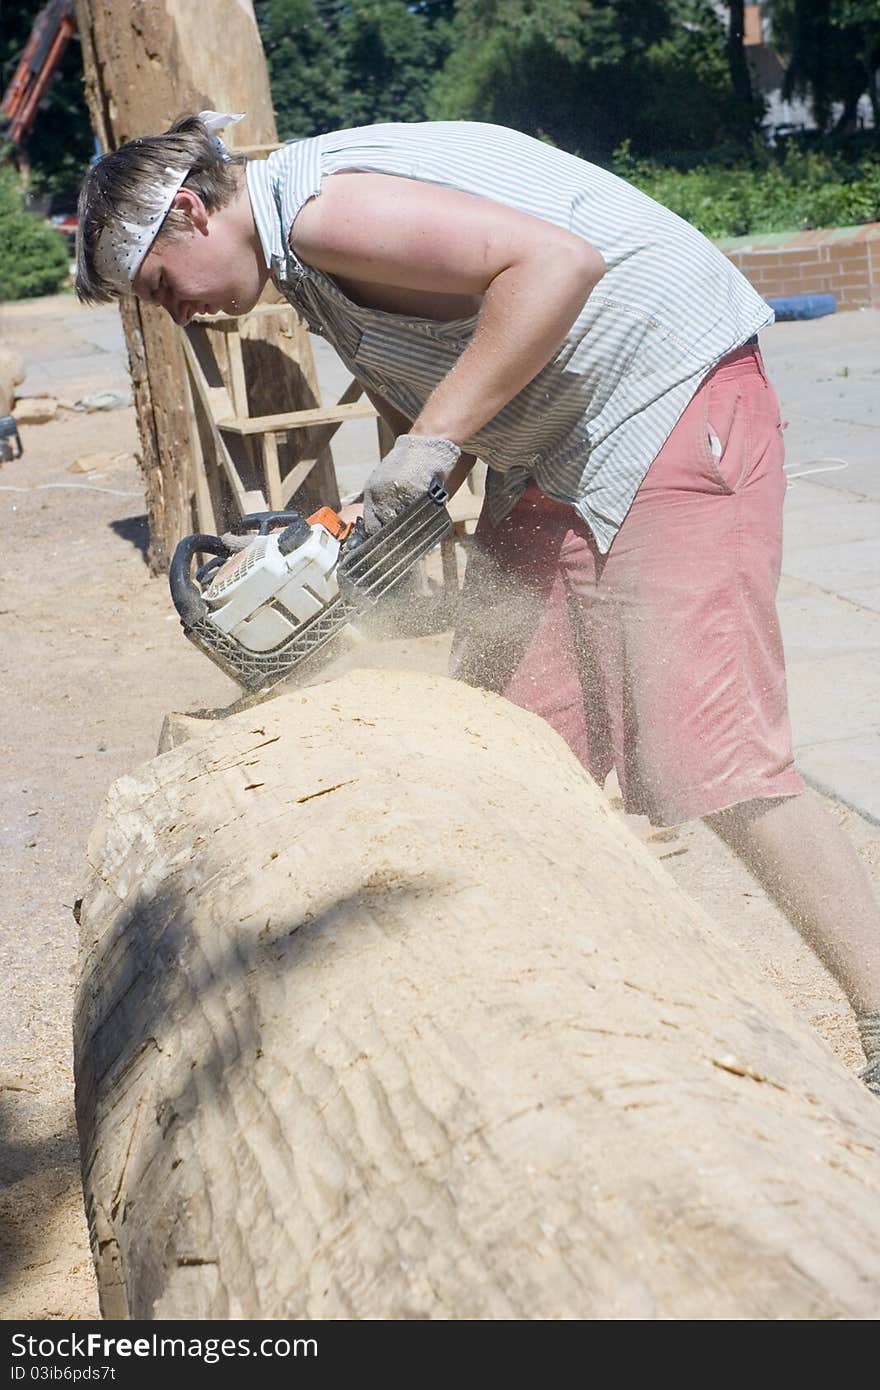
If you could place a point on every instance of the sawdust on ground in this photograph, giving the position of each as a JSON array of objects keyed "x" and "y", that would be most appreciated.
[{"x": 93, "y": 659}]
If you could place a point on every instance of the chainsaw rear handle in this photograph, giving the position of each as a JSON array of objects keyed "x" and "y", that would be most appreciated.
[
  {"x": 184, "y": 591},
  {"x": 263, "y": 522}
]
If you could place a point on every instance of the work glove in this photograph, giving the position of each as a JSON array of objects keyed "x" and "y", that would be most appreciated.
[{"x": 404, "y": 475}]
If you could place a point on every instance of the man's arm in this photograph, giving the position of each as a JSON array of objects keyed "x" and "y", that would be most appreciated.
[{"x": 532, "y": 277}]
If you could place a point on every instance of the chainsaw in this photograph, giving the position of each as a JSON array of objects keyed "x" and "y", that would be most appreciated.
[{"x": 261, "y": 609}]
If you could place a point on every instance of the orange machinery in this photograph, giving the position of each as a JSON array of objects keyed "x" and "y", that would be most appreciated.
[{"x": 52, "y": 31}]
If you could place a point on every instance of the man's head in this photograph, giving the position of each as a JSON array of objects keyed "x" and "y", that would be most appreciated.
[{"x": 168, "y": 218}]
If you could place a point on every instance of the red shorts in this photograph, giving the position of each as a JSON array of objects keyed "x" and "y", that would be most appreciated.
[{"x": 663, "y": 658}]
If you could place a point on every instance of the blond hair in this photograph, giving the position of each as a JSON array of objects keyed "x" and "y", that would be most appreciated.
[{"x": 115, "y": 186}]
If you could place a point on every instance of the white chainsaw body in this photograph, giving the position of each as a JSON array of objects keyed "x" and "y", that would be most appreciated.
[
  {"x": 260, "y": 596},
  {"x": 261, "y": 611}
]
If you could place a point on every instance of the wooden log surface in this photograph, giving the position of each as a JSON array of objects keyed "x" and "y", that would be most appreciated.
[
  {"x": 383, "y": 1013},
  {"x": 11, "y": 376}
]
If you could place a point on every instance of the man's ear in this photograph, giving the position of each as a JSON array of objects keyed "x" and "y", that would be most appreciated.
[{"x": 192, "y": 206}]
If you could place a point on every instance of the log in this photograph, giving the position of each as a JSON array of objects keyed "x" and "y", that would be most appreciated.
[
  {"x": 383, "y": 1013},
  {"x": 11, "y": 376},
  {"x": 145, "y": 65}
]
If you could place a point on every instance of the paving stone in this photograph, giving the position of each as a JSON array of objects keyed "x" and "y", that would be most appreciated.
[
  {"x": 824, "y": 626},
  {"x": 812, "y": 517},
  {"x": 834, "y": 697},
  {"x": 838, "y": 566},
  {"x": 848, "y": 769}
]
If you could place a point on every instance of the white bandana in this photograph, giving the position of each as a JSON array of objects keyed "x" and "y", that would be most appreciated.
[{"x": 123, "y": 244}]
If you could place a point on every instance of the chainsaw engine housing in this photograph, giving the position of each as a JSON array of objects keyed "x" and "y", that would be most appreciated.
[
  {"x": 260, "y": 611},
  {"x": 260, "y": 596}
]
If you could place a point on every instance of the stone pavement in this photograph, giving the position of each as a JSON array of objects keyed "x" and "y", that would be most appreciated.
[
  {"x": 827, "y": 375},
  {"x": 68, "y": 350}
]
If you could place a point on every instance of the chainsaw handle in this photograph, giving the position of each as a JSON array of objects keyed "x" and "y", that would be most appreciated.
[
  {"x": 184, "y": 591},
  {"x": 263, "y": 522}
]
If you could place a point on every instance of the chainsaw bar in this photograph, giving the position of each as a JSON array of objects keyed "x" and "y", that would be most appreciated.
[
  {"x": 370, "y": 569},
  {"x": 377, "y": 563}
]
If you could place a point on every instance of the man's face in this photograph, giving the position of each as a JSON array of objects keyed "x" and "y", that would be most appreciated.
[{"x": 206, "y": 269}]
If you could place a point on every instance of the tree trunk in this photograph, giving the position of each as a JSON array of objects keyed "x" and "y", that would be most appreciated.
[
  {"x": 739, "y": 68},
  {"x": 872, "y": 85},
  {"x": 144, "y": 66},
  {"x": 383, "y": 1013},
  {"x": 847, "y": 122}
]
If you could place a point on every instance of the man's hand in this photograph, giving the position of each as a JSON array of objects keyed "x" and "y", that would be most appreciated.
[{"x": 405, "y": 474}]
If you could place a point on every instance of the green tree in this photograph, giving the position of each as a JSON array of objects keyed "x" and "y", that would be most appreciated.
[
  {"x": 689, "y": 100},
  {"x": 391, "y": 54},
  {"x": 301, "y": 40},
  {"x": 589, "y": 74},
  {"x": 740, "y": 76},
  {"x": 832, "y": 53},
  {"x": 516, "y": 65},
  {"x": 33, "y": 257},
  {"x": 334, "y": 64}
]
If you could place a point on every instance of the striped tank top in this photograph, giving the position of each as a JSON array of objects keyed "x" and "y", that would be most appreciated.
[{"x": 589, "y": 425}]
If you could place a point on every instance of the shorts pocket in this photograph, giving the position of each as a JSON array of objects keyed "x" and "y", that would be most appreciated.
[{"x": 726, "y": 435}]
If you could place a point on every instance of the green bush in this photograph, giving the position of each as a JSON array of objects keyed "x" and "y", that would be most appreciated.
[
  {"x": 33, "y": 256},
  {"x": 767, "y": 193}
]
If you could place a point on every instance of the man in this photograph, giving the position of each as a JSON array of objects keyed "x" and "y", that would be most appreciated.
[{"x": 498, "y": 297}]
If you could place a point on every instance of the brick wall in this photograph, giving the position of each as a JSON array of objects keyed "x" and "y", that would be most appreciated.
[{"x": 843, "y": 261}]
